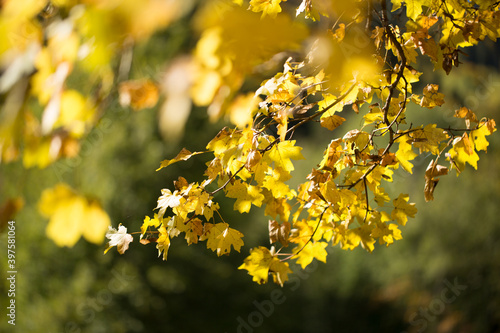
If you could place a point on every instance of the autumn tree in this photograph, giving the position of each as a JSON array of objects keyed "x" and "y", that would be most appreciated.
[{"x": 336, "y": 59}]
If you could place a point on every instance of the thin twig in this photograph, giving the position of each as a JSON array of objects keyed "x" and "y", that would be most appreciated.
[{"x": 310, "y": 239}]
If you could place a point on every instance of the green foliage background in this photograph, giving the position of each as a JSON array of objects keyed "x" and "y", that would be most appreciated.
[{"x": 455, "y": 238}]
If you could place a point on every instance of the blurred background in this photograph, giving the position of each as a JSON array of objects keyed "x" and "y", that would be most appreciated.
[{"x": 444, "y": 276}]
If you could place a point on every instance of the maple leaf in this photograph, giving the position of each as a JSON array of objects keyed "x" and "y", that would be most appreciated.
[
  {"x": 261, "y": 262},
  {"x": 163, "y": 242},
  {"x": 245, "y": 195},
  {"x": 431, "y": 97},
  {"x": 149, "y": 222},
  {"x": 310, "y": 251},
  {"x": 194, "y": 231},
  {"x": 413, "y": 8},
  {"x": 356, "y": 137},
  {"x": 267, "y": 7},
  {"x": 275, "y": 184},
  {"x": 363, "y": 235},
  {"x": 279, "y": 271},
  {"x": 220, "y": 143},
  {"x": 220, "y": 237},
  {"x": 175, "y": 226},
  {"x": 433, "y": 170},
  {"x": 253, "y": 159},
  {"x": 429, "y": 138},
  {"x": 386, "y": 233},
  {"x": 279, "y": 232},
  {"x": 276, "y": 207},
  {"x": 257, "y": 264},
  {"x": 478, "y": 136},
  {"x": 466, "y": 114},
  {"x": 167, "y": 199},
  {"x": 331, "y": 121},
  {"x": 405, "y": 154},
  {"x": 349, "y": 240},
  {"x": 462, "y": 152},
  {"x": 330, "y": 192},
  {"x": 402, "y": 209},
  {"x": 331, "y": 155},
  {"x": 183, "y": 155},
  {"x": 119, "y": 238},
  {"x": 282, "y": 153}
]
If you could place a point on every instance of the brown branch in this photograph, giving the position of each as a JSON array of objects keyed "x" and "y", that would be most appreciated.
[
  {"x": 227, "y": 182},
  {"x": 319, "y": 113},
  {"x": 367, "y": 201}
]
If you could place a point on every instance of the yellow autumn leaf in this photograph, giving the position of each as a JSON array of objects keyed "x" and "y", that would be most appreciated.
[
  {"x": 183, "y": 155},
  {"x": 267, "y": 7},
  {"x": 310, "y": 251},
  {"x": 433, "y": 170},
  {"x": 466, "y": 114},
  {"x": 279, "y": 232},
  {"x": 149, "y": 222},
  {"x": 428, "y": 138},
  {"x": 402, "y": 209},
  {"x": 275, "y": 183},
  {"x": 261, "y": 262},
  {"x": 163, "y": 242},
  {"x": 282, "y": 154},
  {"x": 386, "y": 233},
  {"x": 331, "y": 121},
  {"x": 72, "y": 216},
  {"x": 166, "y": 200},
  {"x": 194, "y": 231},
  {"x": 119, "y": 238},
  {"x": 245, "y": 195},
  {"x": 37, "y": 153},
  {"x": 361, "y": 235},
  {"x": 331, "y": 155},
  {"x": 97, "y": 220},
  {"x": 431, "y": 97},
  {"x": 413, "y": 8},
  {"x": 220, "y": 237},
  {"x": 359, "y": 138},
  {"x": 257, "y": 264},
  {"x": 478, "y": 136},
  {"x": 405, "y": 154},
  {"x": 279, "y": 270},
  {"x": 330, "y": 192},
  {"x": 462, "y": 152}
]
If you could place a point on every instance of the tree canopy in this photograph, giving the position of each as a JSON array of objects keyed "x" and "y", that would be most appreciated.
[{"x": 271, "y": 69}]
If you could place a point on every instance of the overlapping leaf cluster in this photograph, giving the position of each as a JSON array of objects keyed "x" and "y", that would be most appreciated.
[
  {"x": 44, "y": 45},
  {"x": 338, "y": 57},
  {"x": 342, "y": 201},
  {"x": 47, "y": 46}
]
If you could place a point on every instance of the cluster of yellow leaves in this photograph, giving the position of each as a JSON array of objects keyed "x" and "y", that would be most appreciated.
[
  {"x": 232, "y": 43},
  {"x": 263, "y": 262},
  {"x": 343, "y": 202},
  {"x": 42, "y": 43},
  {"x": 188, "y": 203},
  {"x": 465, "y": 146},
  {"x": 462, "y": 24}
]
